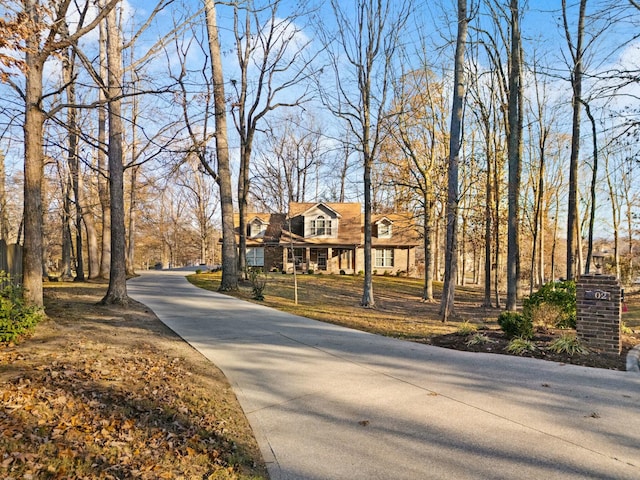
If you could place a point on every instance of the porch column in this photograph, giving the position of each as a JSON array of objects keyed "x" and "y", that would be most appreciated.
[
  {"x": 408, "y": 260},
  {"x": 329, "y": 255},
  {"x": 307, "y": 259}
]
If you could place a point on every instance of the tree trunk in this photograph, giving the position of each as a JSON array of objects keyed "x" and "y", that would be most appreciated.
[
  {"x": 117, "y": 291},
  {"x": 103, "y": 173},
  {"x": 93, "y": 252},
  {"x": 515, "y": 162},
  {"x": 455, "y": 141},
  {"x": 486, "y": 302},
  {"x": 576, "y": 83},
  {"x": 32, "y": 258},
  {"x": 131, "y": 243},
  {"x": 427, "y": 294},
  {"x": 4, "y": 216},
  {"x": 229, "y": 252},
  {"x": 594, "y": 179}
]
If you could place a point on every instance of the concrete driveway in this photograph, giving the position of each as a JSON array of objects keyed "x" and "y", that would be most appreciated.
[{"x": 327, "y": 402}]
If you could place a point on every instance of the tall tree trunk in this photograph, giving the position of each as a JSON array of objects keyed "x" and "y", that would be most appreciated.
[
  {"x": 131, "y": 243},
  {"x": 103, "y": 169},
  {"x": 455, "y": 141},
  {"x": 486, "y": 302},
  {"x": 4, "y": 216},
  {"x": 229, "y": 251},
  {"x": 594, "y": 179},
  {"x": 73, "y": 159},
  {"x": 515, "y": 162},
  {"x": 117, "y": 291},
  {"x": 427, "y": 293},
  {"x": 615, "y": 217},
  {"x": 368, "y": 299},
  {"x": 576, "y": 83},
  {"x": 33, "y": 128}
]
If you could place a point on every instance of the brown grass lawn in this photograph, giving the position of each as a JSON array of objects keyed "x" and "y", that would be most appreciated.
[{"x": 400, "y": 312}]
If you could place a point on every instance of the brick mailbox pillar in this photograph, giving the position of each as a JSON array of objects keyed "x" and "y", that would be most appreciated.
[{"x": 599, "y": 308}]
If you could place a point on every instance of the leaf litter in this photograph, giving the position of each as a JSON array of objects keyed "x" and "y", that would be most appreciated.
[{"x": 87, "y": 399}]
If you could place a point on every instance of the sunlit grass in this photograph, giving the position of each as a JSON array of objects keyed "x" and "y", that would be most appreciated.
[{"x": 399, "y": 311}]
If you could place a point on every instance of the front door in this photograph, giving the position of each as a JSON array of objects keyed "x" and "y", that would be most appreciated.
[{"x": 322, "y": 260}]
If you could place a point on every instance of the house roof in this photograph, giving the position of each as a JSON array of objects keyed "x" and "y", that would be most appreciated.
[
  {"x": 350, "y": 229},
  {"x": 404, "y": 231},
  {"x": 339, "y": 209}
]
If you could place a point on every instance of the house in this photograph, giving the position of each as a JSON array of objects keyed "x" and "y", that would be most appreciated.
[{"x": 329, "y": 237}]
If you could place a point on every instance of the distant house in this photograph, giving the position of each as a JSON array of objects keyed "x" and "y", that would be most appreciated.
[{"x": 329, "y": 237}]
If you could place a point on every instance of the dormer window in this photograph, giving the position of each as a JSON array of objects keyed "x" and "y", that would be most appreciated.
[
  {"x": 321, "y": 226},
  {"x": 384, "y": 229},
  {"x": 256, "y": 227}
]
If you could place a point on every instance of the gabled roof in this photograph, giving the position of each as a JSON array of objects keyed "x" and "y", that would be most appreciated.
[
  {"x": 349, "y": 227},
  {"x": 296, "y": 209},
  {"x": 404, "y": 231},
  {"x": 260, "y": 218}
]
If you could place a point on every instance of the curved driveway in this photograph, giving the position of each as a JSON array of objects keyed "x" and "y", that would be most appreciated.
[{"x": 327, "y": 402}]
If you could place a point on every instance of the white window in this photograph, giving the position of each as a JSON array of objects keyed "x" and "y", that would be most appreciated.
[
  {"x": 256, "y": 228},
  {"x": 384, "y": 229},
  {"x": 255, "y": 256},
  {"x": 384, "y": 257},
  {"x": 321, "y": 226}
]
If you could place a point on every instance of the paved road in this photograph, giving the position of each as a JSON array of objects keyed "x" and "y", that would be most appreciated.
[{"x": 331, "y": 403}]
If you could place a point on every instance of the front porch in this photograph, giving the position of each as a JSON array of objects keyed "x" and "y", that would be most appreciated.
[{"x": 320, "y": 259}]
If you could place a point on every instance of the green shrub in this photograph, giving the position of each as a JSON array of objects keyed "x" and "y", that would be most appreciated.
[
  {"x": 568, "y": 344},
  {"x": 520, "y": 346},
  {"x": 515, "y": 324},
  {"x": 310, "y": 271},
  {"x": 559, "y": 294},
  {"x": 16, "y": 318},
  {"x": 545, "y": 316},
  {"x": 198, "y": 271}
]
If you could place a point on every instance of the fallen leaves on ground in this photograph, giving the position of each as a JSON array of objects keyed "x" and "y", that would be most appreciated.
[{"x": 96, "y": 410}]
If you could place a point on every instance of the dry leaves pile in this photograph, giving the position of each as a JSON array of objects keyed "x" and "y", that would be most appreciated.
[{"x": 90, "y": 408}]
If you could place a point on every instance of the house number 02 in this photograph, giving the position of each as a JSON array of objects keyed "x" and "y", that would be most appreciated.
[{"x": 597, "y": 295}]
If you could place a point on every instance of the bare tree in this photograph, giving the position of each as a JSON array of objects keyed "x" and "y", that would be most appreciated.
[
  {"x": 39, "y": 48},
  {"x": 455, "y": 142},
  {"x": 577, "y": 54},
  {"x": 271, "y": 59},
  {"x": 361, "y": 55},
  {"x": 515, "y": 119},
  {"x": 414, "y": 154},
  {"x": 290, "y": 163},
  {"x": 117, "y": 290},
  {"x": 223, "y": 175}
]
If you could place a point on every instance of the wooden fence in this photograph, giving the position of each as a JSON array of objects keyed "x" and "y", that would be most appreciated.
[{"x": 11, "y": 260}]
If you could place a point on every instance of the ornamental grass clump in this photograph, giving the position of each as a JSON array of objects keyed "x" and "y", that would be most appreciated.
[
  {"x": 478, "y": 339},
  {"x": 568, "y": 344},
  {"x": 520, "y": 346},
  {"x": 466, "y": 328}
]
